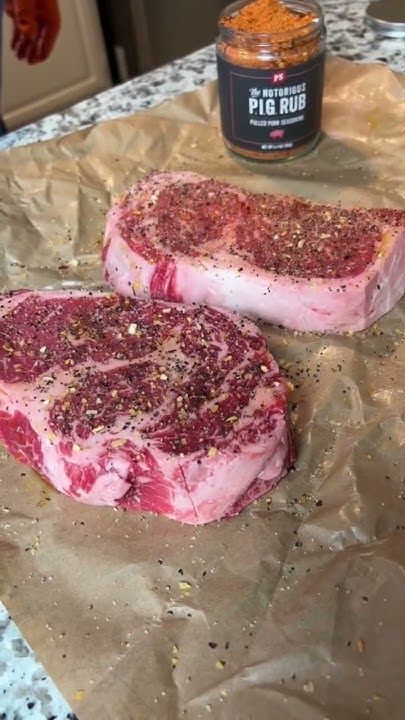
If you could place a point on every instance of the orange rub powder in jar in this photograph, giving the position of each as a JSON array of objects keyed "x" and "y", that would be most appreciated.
[{"x": 271, "y": 58}]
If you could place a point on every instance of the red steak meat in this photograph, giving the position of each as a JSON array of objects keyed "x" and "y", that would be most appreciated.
[
  {"x": 142, "y": 404},
  {"x": 185, "y": 238}
]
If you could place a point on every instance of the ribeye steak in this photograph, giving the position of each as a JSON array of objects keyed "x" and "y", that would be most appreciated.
[
  {"x": 142, "y": 404},
  {"x": 185, "y": 238}
]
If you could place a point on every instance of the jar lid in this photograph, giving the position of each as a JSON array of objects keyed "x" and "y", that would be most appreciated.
[{"x": 387, "y": 17}]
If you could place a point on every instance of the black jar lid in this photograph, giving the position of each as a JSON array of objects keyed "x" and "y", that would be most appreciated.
[{"x": 387, "y": 17}]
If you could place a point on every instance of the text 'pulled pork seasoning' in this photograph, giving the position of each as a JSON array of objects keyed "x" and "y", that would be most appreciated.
[{"x": 271, "y": 58}]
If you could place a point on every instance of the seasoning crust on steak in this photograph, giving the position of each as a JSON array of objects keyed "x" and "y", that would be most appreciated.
[
  {"x": 181, "y": 237},
  {"x": 142, "y": 404}
]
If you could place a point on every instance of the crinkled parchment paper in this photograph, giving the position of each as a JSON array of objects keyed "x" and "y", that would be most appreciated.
[{"x": 294, "y": 610}]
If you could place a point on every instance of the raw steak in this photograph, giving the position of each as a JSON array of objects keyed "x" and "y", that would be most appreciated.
[
  {"x": 142, "y": 404},
  {"x": 182, "y": 237}
]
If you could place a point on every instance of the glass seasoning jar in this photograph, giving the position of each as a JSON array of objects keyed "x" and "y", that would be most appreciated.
[{"x": 271, "y": 83}]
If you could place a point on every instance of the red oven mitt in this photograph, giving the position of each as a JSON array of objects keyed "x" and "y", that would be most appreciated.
[{"x": 36, "y": 27}]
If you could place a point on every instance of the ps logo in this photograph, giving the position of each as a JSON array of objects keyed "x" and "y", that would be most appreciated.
[{"x": 278, "y": 77}]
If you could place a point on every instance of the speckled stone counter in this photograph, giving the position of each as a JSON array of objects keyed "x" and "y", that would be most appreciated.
[{"x": 26, "y": 693}]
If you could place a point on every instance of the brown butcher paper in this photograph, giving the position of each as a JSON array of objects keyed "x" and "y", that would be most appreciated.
[{"x": 295, "y": 609}]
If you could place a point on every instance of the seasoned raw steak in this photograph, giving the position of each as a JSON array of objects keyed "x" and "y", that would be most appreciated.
[
  {"x": 182, "y": 237},
  {"x": 142, "y": 404}
]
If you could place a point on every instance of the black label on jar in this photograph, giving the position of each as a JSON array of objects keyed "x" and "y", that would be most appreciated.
[{"x": 267, "y": 110}]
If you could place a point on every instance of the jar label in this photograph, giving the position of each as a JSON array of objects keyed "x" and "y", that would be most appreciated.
[{"x": 273, "y": 109}]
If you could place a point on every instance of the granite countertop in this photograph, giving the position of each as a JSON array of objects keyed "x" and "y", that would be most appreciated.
[{"x": 26, "y": 692}]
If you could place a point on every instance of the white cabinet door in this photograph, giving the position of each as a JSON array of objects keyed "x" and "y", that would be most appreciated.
[{"x": 76, "y": 69}]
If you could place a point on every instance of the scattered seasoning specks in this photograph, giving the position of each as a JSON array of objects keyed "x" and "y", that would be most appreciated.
[
  {"x": 183, "y": 585},
  {"x": 287, "y": 236},
  {"x": 175, "y": 658},
  {"x": 79, "y": 695}
]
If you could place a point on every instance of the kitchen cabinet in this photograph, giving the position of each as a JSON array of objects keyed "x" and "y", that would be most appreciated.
[
  {"x": 148, "y": 33},
  {"x": 77, "y": 68}
]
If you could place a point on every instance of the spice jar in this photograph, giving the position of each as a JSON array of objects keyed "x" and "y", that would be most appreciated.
[{"x": 271, "y": 58}]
